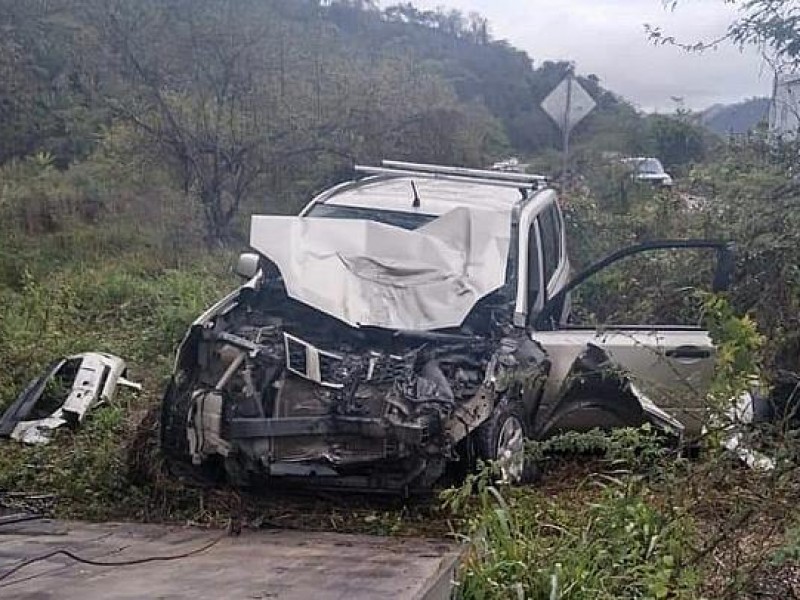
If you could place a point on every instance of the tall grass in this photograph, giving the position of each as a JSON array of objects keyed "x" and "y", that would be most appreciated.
[
  {"x": 604, "y": 539},
  {"x": 127, "y": 279}
]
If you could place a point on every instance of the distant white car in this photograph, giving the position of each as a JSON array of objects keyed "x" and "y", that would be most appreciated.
[
  {"x": 650, "y": 170},
  {"x": 510, "y": 165}
]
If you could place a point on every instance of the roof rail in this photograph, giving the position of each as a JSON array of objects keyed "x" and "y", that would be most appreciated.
[
  {"x": 477, "y": 176},
  {"x": 519, "y": 185},
  {"x": 463, "y": 172}
]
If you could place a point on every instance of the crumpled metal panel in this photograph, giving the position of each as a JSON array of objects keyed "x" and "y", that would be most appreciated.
[{"x": 371, "y": 274}]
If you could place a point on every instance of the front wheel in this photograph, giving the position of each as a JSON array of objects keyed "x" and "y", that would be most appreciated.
[{"x": 501, "y": 440}]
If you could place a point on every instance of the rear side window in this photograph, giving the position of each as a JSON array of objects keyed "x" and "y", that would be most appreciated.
[{"x": 550, "y": 228}]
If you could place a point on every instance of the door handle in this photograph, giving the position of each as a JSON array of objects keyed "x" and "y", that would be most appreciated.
[{"x": 691, "y": 352}]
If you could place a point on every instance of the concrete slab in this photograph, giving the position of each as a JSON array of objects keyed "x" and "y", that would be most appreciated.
[{"x": 287, "y": 565}]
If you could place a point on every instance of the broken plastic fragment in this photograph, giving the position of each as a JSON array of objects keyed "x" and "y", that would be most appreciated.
[
  {"x": 44, "y": 406},
  {"x": 742, "y": 413}
]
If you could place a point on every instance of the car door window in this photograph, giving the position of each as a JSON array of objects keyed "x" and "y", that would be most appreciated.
[
  {"x": 550, "y": 228},
  {"x": 657, "y": 287},
  {"x": 534, "y": 271}
]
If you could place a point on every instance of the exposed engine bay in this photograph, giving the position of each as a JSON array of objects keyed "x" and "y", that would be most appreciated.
[{"x": 273, "y": 387}]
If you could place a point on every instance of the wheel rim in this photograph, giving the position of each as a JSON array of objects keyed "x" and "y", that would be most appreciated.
[{"x": 511, "y": 450}]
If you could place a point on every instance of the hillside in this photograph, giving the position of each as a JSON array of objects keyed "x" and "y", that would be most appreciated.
[
  {"x": 88, "y": 61},
  {"x": 736, "y": 118}
]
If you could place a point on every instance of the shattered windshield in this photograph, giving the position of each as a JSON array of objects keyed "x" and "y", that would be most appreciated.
[{"x": 405, "y": 220}]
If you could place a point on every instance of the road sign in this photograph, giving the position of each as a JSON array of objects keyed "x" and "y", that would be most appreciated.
[{"x": 568, "y": 104}]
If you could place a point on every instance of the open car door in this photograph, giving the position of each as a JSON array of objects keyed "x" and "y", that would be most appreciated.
[{"x": 667, "y": 369}]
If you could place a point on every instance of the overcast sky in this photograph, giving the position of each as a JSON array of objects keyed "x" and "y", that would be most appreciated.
[{"x": 607, "y": 38}]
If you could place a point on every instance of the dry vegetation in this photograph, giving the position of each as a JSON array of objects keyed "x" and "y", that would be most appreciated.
[
  {"x": 116, "y": 230},
  {"x": 619, "y": 518}
]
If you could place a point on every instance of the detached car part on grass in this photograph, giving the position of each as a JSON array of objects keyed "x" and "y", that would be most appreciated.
[
  {"x": 91, "y": 377},
  {"x": 407, "y": 323}
]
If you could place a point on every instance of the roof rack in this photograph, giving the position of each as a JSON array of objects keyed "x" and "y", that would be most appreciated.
[{"x": 477, "y": 176}]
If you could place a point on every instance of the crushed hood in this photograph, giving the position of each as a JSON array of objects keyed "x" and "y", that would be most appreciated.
[{"x": 371, "y": 274}]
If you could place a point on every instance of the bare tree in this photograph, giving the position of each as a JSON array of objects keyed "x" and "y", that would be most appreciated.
[
  {"x": 228, "y": 97},
  {"x": 192, "y": 85},
  {"x": 773, "y": 25}
]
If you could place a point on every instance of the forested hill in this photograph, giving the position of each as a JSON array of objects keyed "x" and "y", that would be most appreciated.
[
  {"x": 50, "y": 63},
  {"x": 726, "y": 119},
  {"x": 237, "y": 96},
  {"x": 507, "y": 81}
]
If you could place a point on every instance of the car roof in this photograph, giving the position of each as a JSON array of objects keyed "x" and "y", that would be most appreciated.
[
  {"x": 436, "y": 196},
  {"x": 640, "y": 159}
]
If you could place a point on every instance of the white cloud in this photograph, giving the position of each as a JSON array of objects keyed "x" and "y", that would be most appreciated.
[{"x": 607, "y": 37}]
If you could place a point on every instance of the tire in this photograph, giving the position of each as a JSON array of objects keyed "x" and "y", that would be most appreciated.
[
  {"x": 584, "y": 413},
  {"x": 175, "y": 408},
  {"x": 501, "y": 439}
]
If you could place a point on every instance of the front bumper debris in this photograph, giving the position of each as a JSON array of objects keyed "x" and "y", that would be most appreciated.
[{"x": 45, "y": 404}]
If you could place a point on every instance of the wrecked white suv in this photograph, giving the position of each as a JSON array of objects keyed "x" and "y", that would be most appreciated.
[{"x": 410, "y": 320}]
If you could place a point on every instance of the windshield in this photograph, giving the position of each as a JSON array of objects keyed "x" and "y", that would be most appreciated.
[
  {"x": 389, "y": 217},
  {"x": 650, "y": 166}
]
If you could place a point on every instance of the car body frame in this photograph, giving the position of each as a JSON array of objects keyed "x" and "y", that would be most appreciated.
[
  {"x": 279, "y": 381},
  {"x": 63, "y": 395}
]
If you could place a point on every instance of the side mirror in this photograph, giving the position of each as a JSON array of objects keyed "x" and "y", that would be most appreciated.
[
  {"x": 726, "y": 265},
  {"x": 248, "y": 264}
]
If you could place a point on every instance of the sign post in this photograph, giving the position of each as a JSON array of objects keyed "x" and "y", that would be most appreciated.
[{"x": 568, "y": 104}]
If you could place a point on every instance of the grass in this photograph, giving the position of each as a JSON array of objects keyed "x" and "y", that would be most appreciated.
[
  {"x": 62, "y": 295},
  {"x": 601, "y": 536},
  {"x": 617, "y": 526},
  {"x": 637, "y": 523}
]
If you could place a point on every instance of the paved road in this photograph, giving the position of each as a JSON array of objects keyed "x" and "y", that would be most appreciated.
[{"x": 286, "y": 565}]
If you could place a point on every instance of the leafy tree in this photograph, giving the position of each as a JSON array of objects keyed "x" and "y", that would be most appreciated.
[
  {"x": 44, "y": 102},
  {"x": 230, "y": 94},
  {"x": 675, "y": 140},
  {"x": 193, "y": 88},
  {"x": 246, "y": 99},
  {"x": 770, "y": 24}
]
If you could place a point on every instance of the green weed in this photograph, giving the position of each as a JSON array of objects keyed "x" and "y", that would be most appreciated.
[{"x": 606, "y": 539}]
